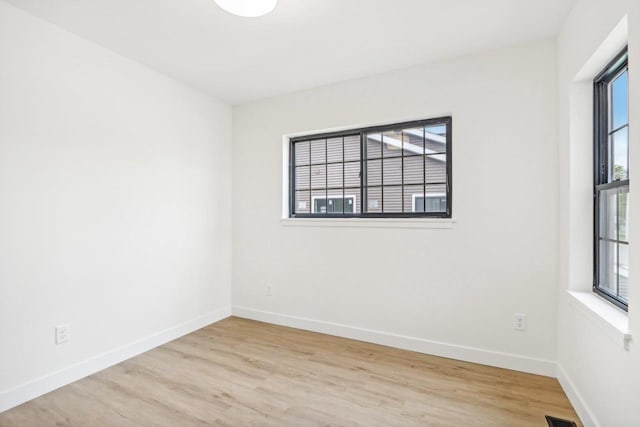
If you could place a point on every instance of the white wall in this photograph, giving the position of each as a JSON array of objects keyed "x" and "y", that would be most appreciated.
[
  {"x": 453, "y": 290},
  {"x": 115, "y": 213},
  {"x": 114, "y": 204},
  {"x": 600, "y": 376}
]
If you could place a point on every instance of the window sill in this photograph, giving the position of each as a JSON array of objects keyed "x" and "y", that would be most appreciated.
[
  {"x": 437, "y": 223},
  {"x": 609, "y": 318}
]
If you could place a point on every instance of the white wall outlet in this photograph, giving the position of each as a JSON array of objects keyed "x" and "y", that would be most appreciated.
[
  {"x": 63, "y": 333},
  {"x": 520, "y": 322},
  {"x": 269, "y": 290}
]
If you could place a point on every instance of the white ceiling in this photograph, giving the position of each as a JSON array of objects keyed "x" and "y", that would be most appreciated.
[{"x": 303, "y": 43}]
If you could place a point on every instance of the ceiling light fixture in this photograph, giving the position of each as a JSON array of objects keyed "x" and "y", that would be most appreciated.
[{"x": 247, "y": 8}]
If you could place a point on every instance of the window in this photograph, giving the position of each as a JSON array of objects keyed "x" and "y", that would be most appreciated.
[
  {"x": 434, "y": 203},
  {"x": 400, "y": 170},
  {"x": 336, "y": 204},
  {"x": 611, "y": 183}
]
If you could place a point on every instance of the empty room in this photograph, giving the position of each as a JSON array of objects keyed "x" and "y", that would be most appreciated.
[{"x": 300, "y": 213}]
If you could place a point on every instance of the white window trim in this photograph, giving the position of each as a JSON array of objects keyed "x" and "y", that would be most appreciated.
[
  {"x": 612, "y": 320},
  {"x": 358, "y": 222}
]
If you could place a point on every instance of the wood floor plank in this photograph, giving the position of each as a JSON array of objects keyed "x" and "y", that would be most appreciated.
[{"x": 239, "y": 372}]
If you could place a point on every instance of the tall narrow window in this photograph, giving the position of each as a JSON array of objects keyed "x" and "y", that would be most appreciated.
[
  {"x": 399, "y": 170},
  {"x": 611, "y": 183}
]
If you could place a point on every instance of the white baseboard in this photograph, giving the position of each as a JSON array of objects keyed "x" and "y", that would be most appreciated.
[
  {"x": 576, "y": 399},
  {"x": 25, "y": 392},
  {"x": 452, "y": 351}
]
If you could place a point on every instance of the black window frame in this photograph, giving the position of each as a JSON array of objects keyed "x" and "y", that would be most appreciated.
[
  {"x": 601, "y": 134},
  {"x": 361, "y": 132}
]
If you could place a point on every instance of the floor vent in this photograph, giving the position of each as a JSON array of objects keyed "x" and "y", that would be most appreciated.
[{"x": 558, "y": 422}]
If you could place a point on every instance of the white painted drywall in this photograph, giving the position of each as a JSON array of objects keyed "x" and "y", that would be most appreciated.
[
  {"x": 459, "y": 286},
  {"x": 115, "y": 210},
  {"x": 603, "y": 378},
  {"x": 115, "y": 205}
]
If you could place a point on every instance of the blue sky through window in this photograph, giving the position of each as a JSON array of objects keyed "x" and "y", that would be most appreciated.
[
  {"x": 620, "y": 100},
  {"x": 620, "y": 117}
]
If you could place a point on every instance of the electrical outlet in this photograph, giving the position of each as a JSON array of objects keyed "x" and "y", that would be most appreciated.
[
  {"x": 63, "y": 333},
  {"x": 520, "y": 322},
  {"x": 269, "y": 290}
]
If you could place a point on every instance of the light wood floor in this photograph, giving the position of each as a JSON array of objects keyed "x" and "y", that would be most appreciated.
[{"x": 243, "y": 373}]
